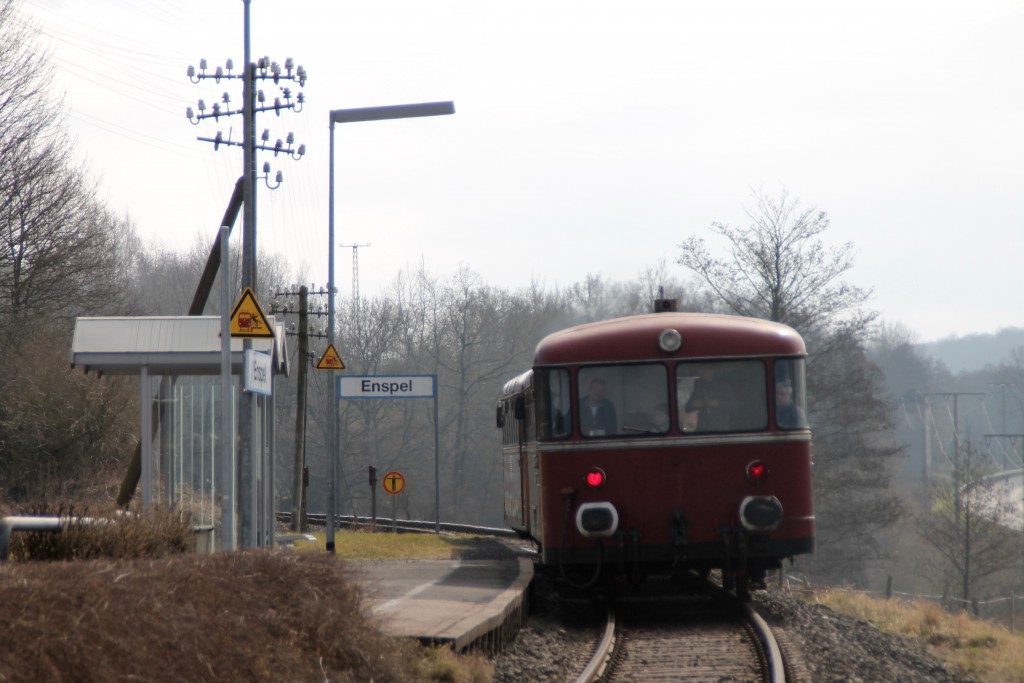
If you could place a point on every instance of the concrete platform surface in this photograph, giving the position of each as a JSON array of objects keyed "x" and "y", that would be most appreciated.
[{"x": 465, "y": 603}]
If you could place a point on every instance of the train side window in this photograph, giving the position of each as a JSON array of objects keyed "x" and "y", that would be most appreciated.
[
  {"x": 551, "y": 390},
  {"x": 790, "y": 394},
  {"x": 630, "y": 400},
  {"x": 722, "y": 396}
]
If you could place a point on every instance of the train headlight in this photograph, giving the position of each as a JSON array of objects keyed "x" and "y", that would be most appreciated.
[
  {"x": 670, "y": 340},
  {"x": 760, "y": 513},
  {"x": 596, "y": 520}
]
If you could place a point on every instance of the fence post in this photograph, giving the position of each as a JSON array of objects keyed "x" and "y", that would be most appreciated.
[{"x": 888, "y": 588}]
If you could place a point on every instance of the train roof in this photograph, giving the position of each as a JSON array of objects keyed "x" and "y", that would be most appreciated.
[
  {"x": 517, "y": 384},
  {"x": 704, "y": 335}
]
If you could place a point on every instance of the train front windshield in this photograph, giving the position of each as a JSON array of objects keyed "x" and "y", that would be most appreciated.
[{"x": 635, "y": 399}]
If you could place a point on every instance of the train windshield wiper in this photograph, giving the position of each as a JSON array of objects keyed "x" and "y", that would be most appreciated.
[{"x": 644, "y": 430}]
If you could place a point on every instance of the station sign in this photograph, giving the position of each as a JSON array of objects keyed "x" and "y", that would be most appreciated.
[
  {"x": 258, "y": 376},
  {"x": 387, "y": 386}
]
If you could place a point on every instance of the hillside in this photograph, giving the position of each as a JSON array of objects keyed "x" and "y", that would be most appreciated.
[{"x": 975, "y": 351}]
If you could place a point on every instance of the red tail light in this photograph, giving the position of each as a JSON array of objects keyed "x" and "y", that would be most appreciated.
[
  {"x": 756, "y": 471},
  {"x": 596, "y": 477}
]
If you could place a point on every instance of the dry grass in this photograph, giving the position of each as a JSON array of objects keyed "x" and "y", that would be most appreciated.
[
  {"x": 363, "y": 545},
  {"x": 254, "y": 616},
  {"x": 980, "y": 648},
  {"x": 175, "y": 616},
  {"x": 153, "y": 532}
]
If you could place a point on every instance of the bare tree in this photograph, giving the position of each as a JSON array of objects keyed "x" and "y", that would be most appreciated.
[
  {"x": 56, "y": 240},
  {"x": 856, "y": 457},
  {"x": 967, "y": 525},
  {"x": 60, "y": 256},
  {"x": 26, "y": 75},
  {"x": 779, "y": 269},
  {"x": 62, "y": 433}
]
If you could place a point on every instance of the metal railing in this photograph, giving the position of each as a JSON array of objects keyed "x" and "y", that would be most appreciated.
[{"x": 9, "y": 525}]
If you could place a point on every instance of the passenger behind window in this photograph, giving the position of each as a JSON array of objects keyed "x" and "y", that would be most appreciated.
[
  {"x": 659, "y": 418},
  {"x": 597, "y": 413},
  {"x": 710, "y": 405},
  {"x": 788, "y": 415},
  {"x": 654, "y": 421}
]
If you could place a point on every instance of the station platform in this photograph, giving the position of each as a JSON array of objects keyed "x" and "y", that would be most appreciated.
[{"x": 467, "y": 603}]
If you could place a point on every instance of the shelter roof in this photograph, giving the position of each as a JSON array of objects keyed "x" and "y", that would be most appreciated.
[{"x": 164, "y": 345}]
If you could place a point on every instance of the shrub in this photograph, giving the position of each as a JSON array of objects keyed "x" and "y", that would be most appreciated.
[{"x": 148, "y": 533}]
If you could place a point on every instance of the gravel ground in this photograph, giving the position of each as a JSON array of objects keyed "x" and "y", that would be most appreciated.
[
  {"x": 545, "y": 651},
  {"x": 831, "y": 647},
  {"x": 836, "y": 648}
]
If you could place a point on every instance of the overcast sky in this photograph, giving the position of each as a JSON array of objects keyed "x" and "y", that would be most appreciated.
[{"x": 590, "y": 137}]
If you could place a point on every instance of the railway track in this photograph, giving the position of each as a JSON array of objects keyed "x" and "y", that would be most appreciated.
[
  {"x": 708, "y": 636},
  {"x": 716, "y": 639}
]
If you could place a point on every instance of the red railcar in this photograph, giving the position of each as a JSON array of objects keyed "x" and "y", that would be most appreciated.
[{"x": 658, "y": 444}]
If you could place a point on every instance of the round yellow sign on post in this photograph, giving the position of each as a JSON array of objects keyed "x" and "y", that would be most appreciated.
[{"x": 394, "y": 482}]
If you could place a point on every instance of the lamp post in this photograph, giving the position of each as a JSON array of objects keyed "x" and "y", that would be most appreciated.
[{"x": 395, "y": 111}]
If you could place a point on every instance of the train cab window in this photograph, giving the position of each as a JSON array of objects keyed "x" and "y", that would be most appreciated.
[
  {"x": 552, "y": 396},
  {"x": 630, "y": 400},
  {"x": 722, "y": 396},
  {"x": 790, "y": 394}
]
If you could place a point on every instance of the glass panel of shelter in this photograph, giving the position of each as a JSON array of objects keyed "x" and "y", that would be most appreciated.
[{"x": 185, "y": 433}]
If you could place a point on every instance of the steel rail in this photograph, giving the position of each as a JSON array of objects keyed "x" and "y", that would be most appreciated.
[
  {"x": 775, "y": 665},
  {"x": 602, "y": 656}
]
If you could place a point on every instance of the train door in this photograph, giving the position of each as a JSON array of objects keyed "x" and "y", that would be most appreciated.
[{"x": 522, "y": 429}]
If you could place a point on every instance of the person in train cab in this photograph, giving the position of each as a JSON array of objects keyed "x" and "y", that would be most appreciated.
[
  {"x": 787, "y": 413},
  {"x": 597, "y": 413},
  {"x": 711, "y": 400}
]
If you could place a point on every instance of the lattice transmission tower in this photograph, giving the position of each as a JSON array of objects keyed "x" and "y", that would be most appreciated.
[{"x": 355, "y": 270}]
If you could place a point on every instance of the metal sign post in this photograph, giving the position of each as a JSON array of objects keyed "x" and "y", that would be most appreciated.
[
  {"x": 394, "y": 483},
  {"x": 400, "y": 386},
  {"x": 373, "y": 499}
]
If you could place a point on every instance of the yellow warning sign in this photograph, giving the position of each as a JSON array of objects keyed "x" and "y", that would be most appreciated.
[
  {"x": 330, "y": 360},
  {"x": 248, "y": 320},
  {"x": 394, "y": 482}
]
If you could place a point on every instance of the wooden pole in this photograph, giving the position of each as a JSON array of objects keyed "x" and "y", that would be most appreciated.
[{"x": 298, "y": 490}]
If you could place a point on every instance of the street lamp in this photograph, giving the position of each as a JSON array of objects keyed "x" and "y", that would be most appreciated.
[{"x": 395, "y": 111}]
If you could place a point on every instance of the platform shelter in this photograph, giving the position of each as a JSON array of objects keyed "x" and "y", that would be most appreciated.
[{"x": 178, "y": 361}]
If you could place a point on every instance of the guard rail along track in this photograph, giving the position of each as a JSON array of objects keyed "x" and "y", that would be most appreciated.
[
  {"x": 403, "y": 525},
  {"x": 730, "y": 643}
]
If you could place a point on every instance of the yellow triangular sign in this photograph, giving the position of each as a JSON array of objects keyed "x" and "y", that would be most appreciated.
[
  {"x": 330, "y": 360},
  {"x": 248, "y": 320}
]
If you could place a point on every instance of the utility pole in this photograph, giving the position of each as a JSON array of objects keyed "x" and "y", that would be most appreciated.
[
  {"x": 249, "y": 461},
  {"x": 957, "y": 465},
  {"x": 300, "y": 472},
  {"x": 298, "y": 487}
]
